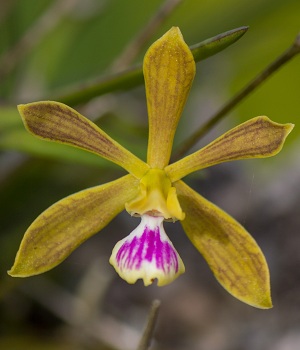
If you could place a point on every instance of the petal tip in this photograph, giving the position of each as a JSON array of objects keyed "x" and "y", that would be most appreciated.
[
  {"x": 21, "y": 109},
  {"x": 289, "y": 127},
  {"x": 174, "y": 31},
  {"x": 17, "y": 271},
  {"x": 264, "y": 303},
  {"x": 259, "y": 297},
  {"x": 11, "y": 273}
]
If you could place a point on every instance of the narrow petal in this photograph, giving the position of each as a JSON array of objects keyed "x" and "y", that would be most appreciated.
[
  {"x": 147, "y": 253},
  {"x": 54, "y": 121},
  {"x": 259, "y": 137},
  {"x": 169, "y": 70},
  {"x": 66, "y": 224},
  {"x": 232, "y": 254}
]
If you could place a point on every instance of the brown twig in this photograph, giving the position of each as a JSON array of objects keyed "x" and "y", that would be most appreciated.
[{"x": 149, "y": 330}]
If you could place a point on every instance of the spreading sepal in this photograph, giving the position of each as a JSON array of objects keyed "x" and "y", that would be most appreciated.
[
  {"x": 232, "y": 254},
  {"x": 258, "y": 137},
  {"x": 60, "y": 229},
  {"x": 55, "y": 121},
  {"x": 147, "y": 253},
  {"x": 169, "y": 70}
]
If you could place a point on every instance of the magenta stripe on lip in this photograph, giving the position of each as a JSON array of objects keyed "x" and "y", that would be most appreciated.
[
  {"x": 147, "y": 254},
  {"x": 148, "y": 247}
]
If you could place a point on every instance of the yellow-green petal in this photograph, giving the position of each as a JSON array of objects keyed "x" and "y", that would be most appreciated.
[
  {"x": 259, "y": 137},
  {"x": 54, "y": 121},
  {"x": 169, "y": 70},
  {"x": 60, "y": 229},
  {"x": 232, "y": 254}
]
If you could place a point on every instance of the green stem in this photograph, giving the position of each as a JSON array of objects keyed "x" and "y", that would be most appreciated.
[
  {"x": 148, "y": 332},
  {"x": 291, "y": 52}
]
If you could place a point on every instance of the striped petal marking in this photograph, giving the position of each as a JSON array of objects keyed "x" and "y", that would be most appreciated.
[{"x": 148, "y": 254}]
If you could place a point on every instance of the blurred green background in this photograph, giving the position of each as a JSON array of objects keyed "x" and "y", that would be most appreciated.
[{"x": 47, "y": 48}]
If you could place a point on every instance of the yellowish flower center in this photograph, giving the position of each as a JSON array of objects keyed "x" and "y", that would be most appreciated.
[{"x": 157, "y": 197}]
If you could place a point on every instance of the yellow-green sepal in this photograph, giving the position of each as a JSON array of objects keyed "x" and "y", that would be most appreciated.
[
  {"x": 258, "y": 137},
  {"x": 234, "y": 257},
  {"x": 169, "y": 70},
  {"x": 60, "y": 229},
  {"x": 55, "y": 121}
]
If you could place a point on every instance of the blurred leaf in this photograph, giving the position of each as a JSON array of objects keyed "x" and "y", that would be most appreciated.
[{"x": 134, "y": 76}]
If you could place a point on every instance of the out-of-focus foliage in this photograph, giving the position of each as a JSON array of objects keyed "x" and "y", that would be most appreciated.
[{"x": 83, "y": 44}]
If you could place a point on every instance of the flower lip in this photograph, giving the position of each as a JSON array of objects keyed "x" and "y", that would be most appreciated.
[{"x": 148, "y": 254}]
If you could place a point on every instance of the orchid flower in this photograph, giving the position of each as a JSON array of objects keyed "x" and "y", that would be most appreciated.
[{"x": 152, "y": 190}]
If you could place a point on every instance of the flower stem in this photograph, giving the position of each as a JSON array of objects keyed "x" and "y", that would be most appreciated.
[
  {"x": 149, "y": 329},
  {"x": 292, "y": 51}
]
